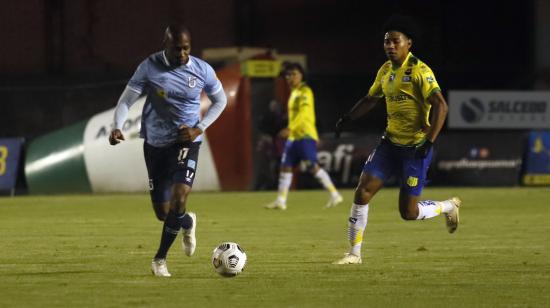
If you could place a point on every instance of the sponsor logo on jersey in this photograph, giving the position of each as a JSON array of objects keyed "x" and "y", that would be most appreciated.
[
  {"x": 352, "y": 220},
  {"x": 406, "y": 79},
  {"x": 392, "y": 77},
  {"x": 161, "y": 93},
  {"x": 430, "y": 79},
  {"x": 397, "y": 98},
  {"x": 191, "y": 164}
]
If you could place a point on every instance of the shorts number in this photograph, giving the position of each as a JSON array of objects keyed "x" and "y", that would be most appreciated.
[
  {"x": 183, "y": 154},
  {"x": 3, "y": 157}
]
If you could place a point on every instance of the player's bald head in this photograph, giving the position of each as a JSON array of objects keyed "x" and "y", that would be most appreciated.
[
  {"x": 175, "y": 31},
  {"x": 177, "y": 44}
]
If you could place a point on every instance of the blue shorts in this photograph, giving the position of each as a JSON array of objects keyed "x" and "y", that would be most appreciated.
[
  {"x": 299, "y": 150},
  {"x": 176, "y": 163},
  {"x": 389, "y": 159}
]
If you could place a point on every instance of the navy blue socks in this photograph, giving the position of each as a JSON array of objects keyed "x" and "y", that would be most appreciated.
[{"x": 172, "y": 225}]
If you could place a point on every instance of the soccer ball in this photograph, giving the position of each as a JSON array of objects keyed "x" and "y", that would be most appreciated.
[{"x": 228, "y": 259}]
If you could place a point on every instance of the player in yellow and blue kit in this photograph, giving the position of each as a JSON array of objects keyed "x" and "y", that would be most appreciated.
[
  {"x": 302, "y": 138},
  {"x": 411, "y": 93}
]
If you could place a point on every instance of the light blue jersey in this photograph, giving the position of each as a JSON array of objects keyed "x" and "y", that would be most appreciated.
[{"x": 173, "y": 96}]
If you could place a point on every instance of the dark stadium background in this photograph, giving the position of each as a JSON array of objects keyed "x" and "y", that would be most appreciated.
[{"x": 62, "y": 61}]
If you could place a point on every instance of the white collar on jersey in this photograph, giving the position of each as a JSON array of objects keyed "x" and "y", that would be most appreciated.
[{"x": 167, "y": 63}]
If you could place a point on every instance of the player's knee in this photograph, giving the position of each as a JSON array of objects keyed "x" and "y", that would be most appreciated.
[
  {"x": 313, "y": 168},
  {"x": 179, "y": 197},
  {"x": 178, "y": 201}
]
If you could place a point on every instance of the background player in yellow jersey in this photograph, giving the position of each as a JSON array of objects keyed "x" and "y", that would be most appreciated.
[
  {"x": 302, "y": 138},
  {"x": 411, "y": 92}
]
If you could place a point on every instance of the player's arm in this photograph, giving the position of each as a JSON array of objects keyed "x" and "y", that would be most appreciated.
[
  {"x": 219, "y": 101},
  {"x": 431, "y": 91},
  {"x": 362, "y": 107},
  {"x": 439, "y": 114},
  {"x": 128, "y": 97},
  {"x": 365, "y": 104}
]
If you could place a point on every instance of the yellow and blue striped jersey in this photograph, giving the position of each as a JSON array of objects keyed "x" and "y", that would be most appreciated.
[
  {"x": 406, "y": 90},
  {"x": 301, "y": 114}
]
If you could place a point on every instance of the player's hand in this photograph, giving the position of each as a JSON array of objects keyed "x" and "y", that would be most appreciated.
[
  {"x": 423, "y": 149},
  {"x": 340, "y": 124},
  {"x": 186, "y": 133},
  {"x": 284, "y": 133},
  {"x": 116, "y": 136}
]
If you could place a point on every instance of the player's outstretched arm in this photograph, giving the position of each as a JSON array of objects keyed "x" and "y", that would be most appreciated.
[
  {"x": 126, "y": 100},
  {"x": 362, "y": 107}
]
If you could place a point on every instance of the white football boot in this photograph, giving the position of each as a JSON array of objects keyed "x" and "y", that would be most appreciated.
[
  {"x": 452, "y": 218},
  {"x": 159, "y": 269},
  {"x": 349, "y": 259},
  {"x": 334, "y": 201},
  {"x": 276, "y": 205},
  {"x": 189, "y": 240}
]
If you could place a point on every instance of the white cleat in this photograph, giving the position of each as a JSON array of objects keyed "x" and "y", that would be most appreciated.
[
  {"x": 189, "y": 240},
  {"x": 349, "y": 259},
  {"x": 334, "y": 201},
  {"x": 276, "y": 205},
  {"x": 452, "y": 218},
  {"x": 159, "y": 269}
]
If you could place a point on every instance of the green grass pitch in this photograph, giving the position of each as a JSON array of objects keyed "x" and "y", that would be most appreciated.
[{"x": 95, "y": 251}]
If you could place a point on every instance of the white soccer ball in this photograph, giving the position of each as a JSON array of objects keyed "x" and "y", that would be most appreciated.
[{"x": 228, "y": 259}]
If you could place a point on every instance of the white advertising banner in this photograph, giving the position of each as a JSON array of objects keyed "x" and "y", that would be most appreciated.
[
  {"x": 121, "y": 168},
  {"x": 499, "y": 109}
]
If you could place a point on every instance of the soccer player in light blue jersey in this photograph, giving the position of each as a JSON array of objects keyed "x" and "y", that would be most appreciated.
[{"x": 172, "y": 127}]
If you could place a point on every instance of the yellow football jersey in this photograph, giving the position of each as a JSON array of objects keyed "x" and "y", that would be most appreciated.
[
  {"x": 301, "y": 114},
  {"x": 406, "y": 90}
]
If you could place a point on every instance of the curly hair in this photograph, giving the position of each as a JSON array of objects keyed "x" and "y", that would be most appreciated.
[{"x": 403, "y": 24}]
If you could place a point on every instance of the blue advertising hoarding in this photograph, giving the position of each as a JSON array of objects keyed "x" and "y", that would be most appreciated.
[{"x": 10, "y": 155}]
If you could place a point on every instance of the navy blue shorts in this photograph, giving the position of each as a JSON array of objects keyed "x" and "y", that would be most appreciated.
[
  {"x": 389, "y": 159},
  {"x": 176, "y": 163},
  {"x": 299, "y": 150}
]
